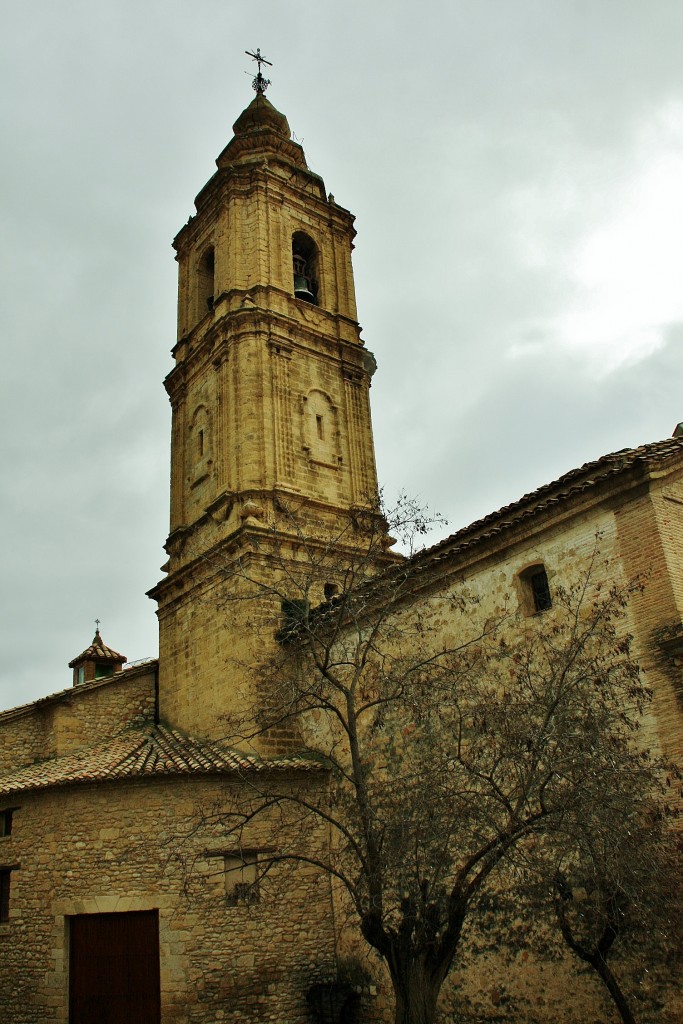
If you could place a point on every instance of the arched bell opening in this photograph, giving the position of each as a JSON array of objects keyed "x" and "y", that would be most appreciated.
[
  {"x": 205, "y": 281},
  {"x": 305, "y": 267}
]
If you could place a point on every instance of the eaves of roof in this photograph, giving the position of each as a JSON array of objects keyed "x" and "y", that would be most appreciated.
[
  {"x": 143, "y": 754},
  {"x": 646, "y": 459},
  {"x": 559, "y": 495}
]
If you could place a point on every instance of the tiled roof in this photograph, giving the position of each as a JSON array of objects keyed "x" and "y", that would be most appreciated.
[
  {"x": 584, "y": 478},
  {"x": 143, "y": 754},
  {"x": 553, "y": 495},
  {"x": 98, "y": 651}
]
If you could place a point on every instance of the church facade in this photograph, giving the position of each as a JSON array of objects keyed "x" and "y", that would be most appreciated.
[{"x": 109, "y": 894}]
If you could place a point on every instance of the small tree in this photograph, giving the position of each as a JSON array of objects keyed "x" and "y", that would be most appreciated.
[
  {"x": 615, "y": 888},
  {"x": 448, "y": 744}
]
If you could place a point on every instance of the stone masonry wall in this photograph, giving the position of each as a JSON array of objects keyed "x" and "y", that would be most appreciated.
[
  {"x": 619, "y": 545},
  {"x": 120, "y": 847},
  {"x": 77, "y": 717}
]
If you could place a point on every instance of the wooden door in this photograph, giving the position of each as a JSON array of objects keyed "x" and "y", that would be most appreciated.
[{"x": 114, "y": 969}]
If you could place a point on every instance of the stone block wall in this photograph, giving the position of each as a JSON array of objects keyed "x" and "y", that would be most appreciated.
[
  {"x": 123, "y": 847},
  {"x": 78, "y": 717}
]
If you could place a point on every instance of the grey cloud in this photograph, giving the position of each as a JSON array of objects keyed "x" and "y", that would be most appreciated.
[{"x": 461, "y": 134}]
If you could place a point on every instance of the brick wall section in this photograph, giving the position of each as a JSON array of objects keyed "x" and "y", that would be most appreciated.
[
  {"x": 78, "y": 717},
  {"x": 650, "y": 530},
  {"x": 667, "y": 497}
]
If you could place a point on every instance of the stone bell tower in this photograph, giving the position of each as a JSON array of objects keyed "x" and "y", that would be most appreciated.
[{"x": 269, "y": 392}]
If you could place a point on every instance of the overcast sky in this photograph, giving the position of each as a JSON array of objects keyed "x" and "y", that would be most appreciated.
[{"x": 516, "y": 170}]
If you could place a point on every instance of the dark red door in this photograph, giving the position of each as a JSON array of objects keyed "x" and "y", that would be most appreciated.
[{"x": 114, "y": 969}]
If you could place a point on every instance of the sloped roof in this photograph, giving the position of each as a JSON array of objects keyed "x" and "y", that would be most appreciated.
[
  {"x": 645, "y": 459},
  {"x": 137, "y": 754},
  {"x": 132, "y": 669},
  {"x": 585, "y": 478},
  {"x": 98, "y": 651}
]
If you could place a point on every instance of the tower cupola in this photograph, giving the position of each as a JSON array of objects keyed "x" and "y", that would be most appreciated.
[{"x": 96, "y": 662}]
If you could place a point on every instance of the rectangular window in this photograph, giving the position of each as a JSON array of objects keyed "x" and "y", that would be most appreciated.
[
  {"x": 5, "y": 874},
  {"x": 6, "y": 822},
  {"x": 241, "y": 876}
]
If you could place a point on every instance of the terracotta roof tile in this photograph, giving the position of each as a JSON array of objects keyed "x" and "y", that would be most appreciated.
[
  {"x": 571, "y": 484},
  {"x": 143, "y": 754},
  {"x": 560, "y": 490},
  {"x": 98, "y": 651}
]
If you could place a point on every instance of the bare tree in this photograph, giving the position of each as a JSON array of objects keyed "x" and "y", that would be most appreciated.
[
  {"x": 616, "y": 890},
  {"x": 450, "y": 745}
]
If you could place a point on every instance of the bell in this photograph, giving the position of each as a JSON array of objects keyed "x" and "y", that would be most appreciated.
[{"x": 302, "y": 288}]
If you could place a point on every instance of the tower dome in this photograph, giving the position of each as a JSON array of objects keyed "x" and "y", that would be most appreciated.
[
  {"x": 261, "y": 130},
  {"x": 261, "y": 114}
]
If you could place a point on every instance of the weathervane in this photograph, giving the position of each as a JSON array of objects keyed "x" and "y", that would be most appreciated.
[{"x": 260, "y": 84}]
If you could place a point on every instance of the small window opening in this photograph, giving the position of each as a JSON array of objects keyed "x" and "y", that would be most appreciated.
[
  {"x": 330, "y": 590},
  {"x": 81, "y": 674},
  {"x": 294, "y": 614},
  {"x": 320, "y": 426},
  {"x": 294, "y": 611},
  {"x": 5, "y": 875},
  {"x": 200, "y": 443},
  {"x": 103, "y": 671},
  {"x": 535, "y": 593},
  {"x": 540, "y": 589},
  {"x": 305, "y": 268},
  {"x": 6, "y": 822},
  {"x": 241, "y": 877}
]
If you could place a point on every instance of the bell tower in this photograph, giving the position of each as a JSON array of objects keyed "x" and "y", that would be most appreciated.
[{"x": 269, "y": 392}]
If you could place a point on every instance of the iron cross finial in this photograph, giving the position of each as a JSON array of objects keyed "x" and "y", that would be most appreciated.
[
  {"x": 260, "y": 84},
  {"x": 97, "y": 624}
]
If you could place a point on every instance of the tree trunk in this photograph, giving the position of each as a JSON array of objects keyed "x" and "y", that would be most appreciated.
[
  {"x": 615, "y": 991},
  {"x": 416, "y": 995}
]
